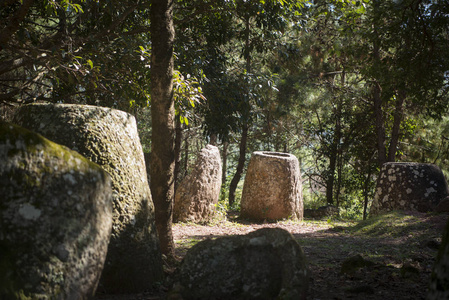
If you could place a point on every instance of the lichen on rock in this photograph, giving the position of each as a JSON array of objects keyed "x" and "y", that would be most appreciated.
[
  {"x": 409, "y": 186},
  {"x": 272, "y": 189},
  {"x": 264, "y": 264},
  {"x": 199, "y": 191},
  {"x": 109, "y": 138},
  {"x": 54, "y": 231}
]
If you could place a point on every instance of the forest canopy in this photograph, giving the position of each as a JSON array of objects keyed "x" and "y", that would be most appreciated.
[{"x": 344, "y": 85}]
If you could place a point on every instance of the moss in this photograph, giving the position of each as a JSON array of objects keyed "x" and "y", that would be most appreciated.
[{"x": 35, "y": 144}]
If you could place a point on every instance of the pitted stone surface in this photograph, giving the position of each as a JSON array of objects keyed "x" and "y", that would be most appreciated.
[
  {"x": 198, "y": 192},
  {"x": 55, "y": 218},
  {"x": 409, "y": 186},
  {"x": 272, "y": 188},
  {"x": 109, "y": 138},
  {"x": 264, "y": 264}
]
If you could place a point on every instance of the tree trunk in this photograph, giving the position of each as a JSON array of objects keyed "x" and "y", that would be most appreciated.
[
  {"x": 186, "y": 152},
  {"x": 333, "y": 157},
  {"x": 238, "y": 173},
  {"x": 377, "y": 99},
  {"x": 395, "y": 131},
  {"x": 225, "y": 163},
  {"x": 242, "y": 148},
  {"x": 163, "y": 121},
  {"x": 178, "y": 142},
  {"x": 366, "y": 191}
]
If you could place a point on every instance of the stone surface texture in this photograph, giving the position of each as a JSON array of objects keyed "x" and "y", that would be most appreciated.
[
  {"x": 443, "y": 206},
  {"x": 439, "y": 283},
  {"x": 409, "y": 186},
  {"x": 272, "y": 189},
  {"x": 199, "y": 191},
  {"x": 322, "y": 212},
  {"x": 109, "y": 138},
  {"x": 264, "y": 264},
  {"x": 55, "y": 218}
]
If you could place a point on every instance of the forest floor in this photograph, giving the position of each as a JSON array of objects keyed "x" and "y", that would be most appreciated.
[{"x": 399, "y": 250}]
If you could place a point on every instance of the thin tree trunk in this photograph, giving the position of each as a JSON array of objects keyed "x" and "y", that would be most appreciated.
[
  {"x": 213, "y": 139},
  {"x": 178, "y": 142},
  {"x": 242, "y": 148},
  {"x": 163, "y": 121},
  {"x": 395, "y": 131},
  {"x": 225, "y": 163},
  {"x": 377, "y": 99},
  {"x": 186, "y": 153},
  {"x": 333, "y": 157},
  {"x": 365, "y": 192},
  {"x": 241, "y": 163}
]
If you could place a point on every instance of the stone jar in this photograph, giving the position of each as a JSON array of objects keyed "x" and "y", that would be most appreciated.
[
  {"x": 199, "y": 191},
  {"x": 264, "y": 264},
  {"x": 272, "y": 189},
  {"x": 109, "y": 138},
  {"x": 55, "y": 218},
  {"x": 409, "y": 186}
]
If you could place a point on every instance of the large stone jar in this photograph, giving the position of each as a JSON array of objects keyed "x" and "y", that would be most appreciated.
[
  {"x": 409, "y": 186},
  {"x": 264, "y": 264},
  {"x": 55, "y": 218},
  {"x": 272, "y": 189},
  {"x": 198, "y": 192},
  {"x": 109, "y": 138}
]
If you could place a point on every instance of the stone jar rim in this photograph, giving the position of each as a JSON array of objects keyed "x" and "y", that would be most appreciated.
[{"x": 281, "y": 155}]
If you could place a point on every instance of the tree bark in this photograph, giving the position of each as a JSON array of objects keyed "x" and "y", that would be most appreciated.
[
  {"x": 242, "y": 148},
  {"x": 178, "y": 142},
  {"x": 241, "y": 163},
  {"x": 225, "y": 163},
  {"x": 333, "y": 157},
  {"x": 395, "y": 131},
  {"x": 163, "y": 121},
  {"x": 377, "y": 99}
]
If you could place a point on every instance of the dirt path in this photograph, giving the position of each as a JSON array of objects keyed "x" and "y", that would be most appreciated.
[{"x": 401, "y": 247}]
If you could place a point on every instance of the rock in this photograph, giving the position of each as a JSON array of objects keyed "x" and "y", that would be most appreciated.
[
  {"x": 409, "y": 271},
  {"x": 321, "y": 212},
  {"x": 198, "y": 192},
  {"x": 443, "y": 206},
  {"x": 264, "y": 264},
  {"x": 360, "y": 289},
  {"x": 272, "y": 189},
  {"x": 439, "y": 282},
  {"x": 55, "y": 218},
  {"x": 409, "y": 186},
  {"x": 109, "y": 138},
  {"x": 354, "y": 263}
]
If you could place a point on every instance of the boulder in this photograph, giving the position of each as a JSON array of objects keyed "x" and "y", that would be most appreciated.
[
  {"x": 272, "y": 189},
  {"x": 55, "y": 218},
  {"x": 198, "y": 192},
  {"x": 109, "y": 138},
  {"x": 439, "y": 282},
  {"x": 264, "y": 264},
  {"x": 409, "y": 186},
  {"x": 443, "y": 206},
  {"x": 321, "y": 212}
]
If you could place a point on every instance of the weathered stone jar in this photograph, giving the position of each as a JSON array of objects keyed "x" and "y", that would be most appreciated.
[
  {"x": 55, "y": 218},
  {"x": 109, "y": 138},
  {"x": 272, "y": 189},
  {"x": 264, "y": 264},
  {"x": 198, "y": 192},
  {"x": 409, "y": 186}
]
